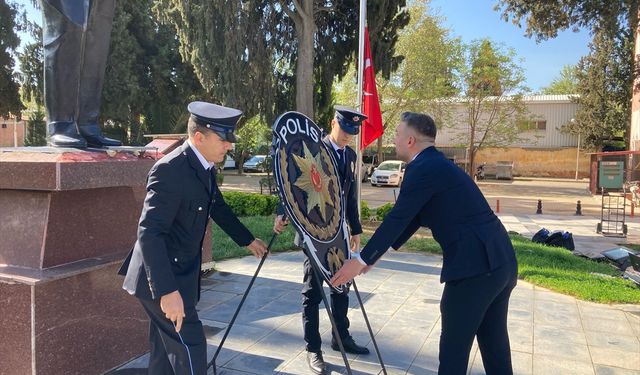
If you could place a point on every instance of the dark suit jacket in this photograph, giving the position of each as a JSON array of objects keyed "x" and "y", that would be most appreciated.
[
  {"x": 437, "y": 194},
  {"x": 349, "y": 187},
  {"x": 168, "y": 252}
]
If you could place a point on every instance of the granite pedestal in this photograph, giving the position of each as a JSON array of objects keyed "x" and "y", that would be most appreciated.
[{"x": 67, "y": 219}]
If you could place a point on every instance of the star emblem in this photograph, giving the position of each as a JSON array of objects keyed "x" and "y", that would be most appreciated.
[{"x": 313, "y": 181}]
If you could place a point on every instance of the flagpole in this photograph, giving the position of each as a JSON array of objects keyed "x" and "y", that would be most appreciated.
[{"x": 362, "y": 23}]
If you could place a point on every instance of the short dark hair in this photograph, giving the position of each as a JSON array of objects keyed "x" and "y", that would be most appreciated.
[
  {"x": 421, "y": 123},
  {"x": 194, "y": 126}
]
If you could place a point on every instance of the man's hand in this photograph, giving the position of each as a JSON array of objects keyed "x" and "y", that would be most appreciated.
[
  {"x": 280, "y": 223},
  {"x": 355, "y": 243},
  {"x": 258, "y": 248},
  {"x": 348, "y": 271},
  {"x": 173, "y": 308},
  {"x": 368, "y": 268}
]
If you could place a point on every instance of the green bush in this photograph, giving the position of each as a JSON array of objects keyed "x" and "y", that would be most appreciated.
[
  {"x": 383, "y": 210},
  {"x": 365, "y": 211},
  {"x": 250, "y": 204}
]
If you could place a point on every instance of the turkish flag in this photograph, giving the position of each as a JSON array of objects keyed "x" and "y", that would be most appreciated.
[{"x": 372, "y": 126}]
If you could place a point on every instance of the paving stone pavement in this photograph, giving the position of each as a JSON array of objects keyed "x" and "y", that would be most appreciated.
[{"x": 550, "y": 333}]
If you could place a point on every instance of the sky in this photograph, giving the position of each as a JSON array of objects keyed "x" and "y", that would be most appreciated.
[
  {"x": 476, "y": 19},
  {"x": 542, "y": 62}
]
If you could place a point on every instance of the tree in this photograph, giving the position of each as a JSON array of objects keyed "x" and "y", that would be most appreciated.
[
  {"x": 32, "y": 71},
  {"x": 147, "y": 86},
  {"x": 565, "y": 83},
  {"x": 36, "y": 134},
  {"x": 252, "y": 135},
  {"x": 31, "y": 77},
  {"x": 9, "y": 41},
  {"x": 604, "y": 109},
  {"x": 229, "y": 45},
  {"x": 426, "y": 77},
  {"x": 493, "y": 85},
  {"x": 335, "y": 25},
  {"x": 545, "y": 19},
  {"x": 616, "y": 18},
  {"x": 265, "y": 57}
]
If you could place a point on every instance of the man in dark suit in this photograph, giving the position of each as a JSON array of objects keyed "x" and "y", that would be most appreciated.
[
  {"x": 163, "y": 269},
  {"x": 344, "y": 126},
  {"x": 479, "y": 267}
]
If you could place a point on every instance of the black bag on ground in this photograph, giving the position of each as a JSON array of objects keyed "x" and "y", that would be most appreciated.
[
  {"x": 540, "y": 236},
  {"x": 560, "y": 238}
]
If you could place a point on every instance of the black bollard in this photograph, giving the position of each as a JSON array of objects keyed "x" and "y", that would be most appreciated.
[
  {"x": 539, "y": 211},
  {"x": 578, "y": 209}
]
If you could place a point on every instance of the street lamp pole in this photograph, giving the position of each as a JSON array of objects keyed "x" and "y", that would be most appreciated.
[{"x": 578, "y": 156}]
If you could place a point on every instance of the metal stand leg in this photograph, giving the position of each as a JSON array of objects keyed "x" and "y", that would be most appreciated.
[
  {"x": 235, "y": 315},
  {"x": 316, "y": 275},
  {"x": 366, "y": 320}
]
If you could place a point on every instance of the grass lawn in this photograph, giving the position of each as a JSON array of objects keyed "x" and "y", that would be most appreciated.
[
  {"x": 557, "y": 269},
  {"x": 553, "y": 268},
  {"x": 261, "y": 227},
  {"x": 632, "y": 246}
]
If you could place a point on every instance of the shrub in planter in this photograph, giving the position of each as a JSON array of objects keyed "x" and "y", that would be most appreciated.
[
  {"x": 383, "y": 210},
  {"x": 250, "y": 204},
  {"x": 365, "y": 211}
]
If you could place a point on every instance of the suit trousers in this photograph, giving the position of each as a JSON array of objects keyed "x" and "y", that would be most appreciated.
[
  {"x": 175, "y": 353},
  {"x": 477, "y": 307},
  {"x": 76, "y": 37},
  {"x": 311, "y": 298}
]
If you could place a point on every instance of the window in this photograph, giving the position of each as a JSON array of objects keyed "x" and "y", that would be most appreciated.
[
  {"x": 528, "y": 125},
  {"x": 4, "y": 126}
]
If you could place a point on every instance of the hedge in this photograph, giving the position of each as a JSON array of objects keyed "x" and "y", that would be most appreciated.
[{"x": 251, "y": 204}]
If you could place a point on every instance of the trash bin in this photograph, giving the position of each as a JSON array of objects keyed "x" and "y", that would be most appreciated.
[
  {"x": 611, "y": 174},
  {"x": 504, "y": 170}
]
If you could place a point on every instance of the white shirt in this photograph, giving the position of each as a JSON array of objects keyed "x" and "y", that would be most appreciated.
[{"x": 205, "y": 164}]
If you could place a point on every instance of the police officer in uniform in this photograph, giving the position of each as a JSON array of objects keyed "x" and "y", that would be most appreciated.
[
  {"x": 344, "y": 126},
  {"x": 163, "y": 269}
]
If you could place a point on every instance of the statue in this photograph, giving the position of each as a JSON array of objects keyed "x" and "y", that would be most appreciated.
[{"x": 76, "y": 45}]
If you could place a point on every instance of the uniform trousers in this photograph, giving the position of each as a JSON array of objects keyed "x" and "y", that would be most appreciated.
[
  {"x": 175, "y": 353},
  {"x": 311, "y": 298}
]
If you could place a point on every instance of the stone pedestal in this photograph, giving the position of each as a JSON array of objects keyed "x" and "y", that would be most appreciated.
[{"x": 68, "y": 218}]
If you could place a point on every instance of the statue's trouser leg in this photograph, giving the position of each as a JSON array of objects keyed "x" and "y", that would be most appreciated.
[
  {"x": 64, "y": 21},
  {"x": 92, "y": 71}
]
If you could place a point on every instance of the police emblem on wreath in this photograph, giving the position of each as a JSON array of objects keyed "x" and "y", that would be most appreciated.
[{"x": 307, "y": 176}]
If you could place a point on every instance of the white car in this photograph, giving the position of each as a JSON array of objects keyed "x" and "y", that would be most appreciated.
[
  {"x": 255, "y": 164},
  {"x": 229, "y": 163},
  {"x": 389, "y": 172}
]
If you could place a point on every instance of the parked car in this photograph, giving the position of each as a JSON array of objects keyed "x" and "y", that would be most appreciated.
[
  {"x": 255, "y": 164},
  {"x": 229, "y": 163},
  {"x": 369, "y": 164},
  {"x": 390, "y": 172}
]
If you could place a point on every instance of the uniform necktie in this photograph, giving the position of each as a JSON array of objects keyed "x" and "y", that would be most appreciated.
[
  {"x": 341, "y": 162},
  {"x": 212, "y": 179}
]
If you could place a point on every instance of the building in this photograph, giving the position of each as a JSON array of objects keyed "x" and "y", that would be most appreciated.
[
  {"x": 543, "y": 149},
  {"x": 12, "y": 132}
]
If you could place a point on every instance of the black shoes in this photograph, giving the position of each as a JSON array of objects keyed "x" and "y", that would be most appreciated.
[
  {"x": 350, "y": 346},
  {"x": 94, "y": 137},
  {"x": 65, "y": 134},
  {"x": 69, "y": 134},
  {"x": 316, "y": 362}
]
